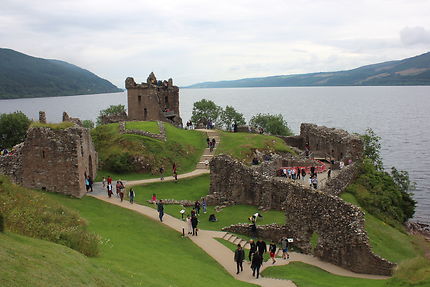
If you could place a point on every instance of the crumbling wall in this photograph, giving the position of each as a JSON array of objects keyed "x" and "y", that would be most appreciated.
[
  {"x": 58, "y": 160},
  {"x": 153, "y": 100},
  {"x": 342, "y": 239},
  {"x": 336, "y": 185},
  {"x": 11, "y": 164}
]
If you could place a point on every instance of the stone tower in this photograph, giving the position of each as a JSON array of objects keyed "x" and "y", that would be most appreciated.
[{"x": 153, "y": 100}]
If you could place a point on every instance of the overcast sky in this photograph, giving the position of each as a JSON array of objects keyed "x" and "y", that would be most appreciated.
[{"x": 197, "y": 40}]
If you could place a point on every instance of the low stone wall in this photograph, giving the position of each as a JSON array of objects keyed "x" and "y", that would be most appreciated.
[
  {"x": 161, "y": 136},
  {"x": 342, "y": 239},
  {"x": 186, "y": 203},
  {"x": 336, "y": 185},
  {"x": 11, "y": 165}
]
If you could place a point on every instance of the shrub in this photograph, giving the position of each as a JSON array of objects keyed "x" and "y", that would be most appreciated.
[
  {"x": 13, "y": 128},
  {"x": 1, "y": 223},
  {"x": 120, "y": 162},
  {"x": 33, "y": 214},
  {"x": 273, "y": 124}
]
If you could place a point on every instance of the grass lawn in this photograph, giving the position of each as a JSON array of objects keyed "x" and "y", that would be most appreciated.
[
  {"x": 242, "y": 145},
  {"x": 304, "y": 275},
  {"x": 27, "y": 261},
  {"x": 148, "y": 126},
  {"x": 141, "y": 252},
  {"x": 184, "y": 147}
]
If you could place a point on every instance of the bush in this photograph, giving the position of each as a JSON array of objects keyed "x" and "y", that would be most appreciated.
[
  {"x": 204, "y": 111},
  {"x": 229, "y": 116},
  {"x": 33, "y": 214},
  {"x": 1, "y": 223},
  {"x": 113, "y": 110},
  {"x": 119, "y": 163},
  {"x": 273, "y": 124},
  {"x": 89, "y": 124},
  {"x": 13, "y": 128}
]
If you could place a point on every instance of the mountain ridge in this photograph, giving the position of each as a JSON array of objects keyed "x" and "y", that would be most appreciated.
[
  {"x": 24, "y": 76},
  {"x": 406, "y": 72}
]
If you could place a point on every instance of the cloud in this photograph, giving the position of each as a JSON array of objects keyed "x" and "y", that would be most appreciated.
[{"x": 411, "y": 36}]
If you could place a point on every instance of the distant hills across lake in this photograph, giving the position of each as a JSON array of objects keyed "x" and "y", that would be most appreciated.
[
  {"x": 23, "y": 76},
  {"x": 407, "y": 72}
]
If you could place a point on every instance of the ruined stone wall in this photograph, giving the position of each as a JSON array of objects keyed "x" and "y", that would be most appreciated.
[
  {"x": 58, "y": 160},
  {"x": 336, "y": 143},
  {"x": 336, "y": 185},
  {"x": 148, "y": 101},
  {"x": 11, "y": 165},
  {"x": 340, "y": 226}
]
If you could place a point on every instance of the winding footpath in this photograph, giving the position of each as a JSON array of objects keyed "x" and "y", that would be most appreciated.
[{"x": 206, "y": 239}]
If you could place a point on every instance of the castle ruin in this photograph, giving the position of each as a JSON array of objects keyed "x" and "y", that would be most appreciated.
[
  {"x": 153, "y": 100},
  {"x": 56, "y": 160}
]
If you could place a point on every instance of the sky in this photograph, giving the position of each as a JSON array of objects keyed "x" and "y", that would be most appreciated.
[{"x": 197, "y": 40}]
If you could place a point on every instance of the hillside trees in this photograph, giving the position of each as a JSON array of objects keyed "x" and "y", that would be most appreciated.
[
  {"x": 206, "y": 110},
  {"x": 113, "y": 110},
  {"x": 273, "y": 124},
  {"x": 230, "y": 116},
  {"x": 13, "y": 128}
]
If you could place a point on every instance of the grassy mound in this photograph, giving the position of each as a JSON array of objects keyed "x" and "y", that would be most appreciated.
[
  {"x": 242, "y": 145},
  {"x": 54, "y": 126},
  {"x": 151, "y": 127},
  {"x": 33, "y": 214},
  {"x": 27, "y": 261},
  {"x": 141, "y": 252},
  {"x": 117, "y": 152}
]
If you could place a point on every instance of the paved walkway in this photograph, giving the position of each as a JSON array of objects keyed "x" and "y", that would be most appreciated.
[{"x": 206, "y": 238}]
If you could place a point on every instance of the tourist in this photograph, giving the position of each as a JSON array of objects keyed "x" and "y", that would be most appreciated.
[
  {"x": 289, "y": 173},
  {"x": 90, "y": 181},
  {"x": 329, "y": 173},
  {"x": 174, "y": 167},
  {"x": 194, "y": 222},
  {"x": 272, "y": 251},
  {"x": 213, "y": 143},
  {"x": 315, "y": 181},
  {"x": 310, "y": 180},
  {"x": 109, "y": 190},
  {"x": 204, "y": 205},
  {"x": 104, "y": 182},
  {"x": 298, "y": 173},
  {"x": 121, "y": 194},
  {"x": 208, "y": 141},
  {"x": 211, "y": 146},
  {"x": 341, "y": 164},
  {"x": 293, "y": 173},
  {"x": 175, "y": 176},
  {"x": 212, "y": 218},
  {"x": 252, "y": 249},
  {"x": 312, "y": 171},
  {"x": 118, "y": 188},
  {"x": 189, "y": 224},
  {"x": 154, "y": 198},
  {"x": 255, "y": 161},
  {"x": 193, "y": 212},
  {"x": 161, "y": 173},
  {"x": 303, "y": 174},
  {"x": 131, "y": 195},
  {"x": 109, "y": 180},
  {"x": 87, "y": 183},
  {"x": 284, "y": 245},
  {"x": 206, "y": 163},
  {"x": 235, "y": 127},
  {"x": 284, "y": 172},
  {"x": 197, "y": 207},
  {"x": 160, "y": 209},
  {"x": 257, "y": 261},
  {"x": 239, "y": 256},
  {"x": 261, "y": 247}
]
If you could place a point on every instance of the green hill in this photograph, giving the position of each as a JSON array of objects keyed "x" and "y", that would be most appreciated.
[
  {"x": 23, "y": 76},
  {"x": 407, "y": 72}
]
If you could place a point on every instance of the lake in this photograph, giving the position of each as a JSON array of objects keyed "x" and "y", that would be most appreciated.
[{"x": 399, "y": 115}]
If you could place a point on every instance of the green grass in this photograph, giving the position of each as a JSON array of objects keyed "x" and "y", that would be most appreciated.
[
  {"x": 147, "y": 126},
  {"x": 27, "y": 261},
  {"x": 386, "y": 241},
  {"x": 184, "y": 147},
  {"x": 242, "y": 145},
  {"x": 56, "y": 126},
  {"x": 142, "y": 252}
]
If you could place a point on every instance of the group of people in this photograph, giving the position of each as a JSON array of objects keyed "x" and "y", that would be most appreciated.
[
  {"x": 174, "y": 171},
  {"x": 119, "y": 188},
  {"x": 294, "y": 173},
  {"x": 88, "y": 183},
  {"x": 189, "y": 125},
  {"x": 211, "y": 143},
  {"x": 256, "y": 254}
]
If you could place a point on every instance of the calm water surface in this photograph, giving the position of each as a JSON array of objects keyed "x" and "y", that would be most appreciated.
[{"x": 400, "y": 115}]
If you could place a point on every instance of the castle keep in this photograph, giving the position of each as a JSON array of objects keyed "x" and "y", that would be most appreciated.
[{"x": 153, "y": 100}]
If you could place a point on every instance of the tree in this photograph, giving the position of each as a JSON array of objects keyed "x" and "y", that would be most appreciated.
[
  {"x": 229, "y": 116},
  {"x": 273, "y": 124},
  {"x": 204, "y": 111},
  {"x": 372, "y": 148},
  {"x": 89, "y": 124},
  {"x": 113, "y": 110},
  {"x": 13, "y": 128}
]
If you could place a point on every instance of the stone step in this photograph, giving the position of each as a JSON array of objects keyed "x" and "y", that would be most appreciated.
[
  {"x": 232, "y": 239},
  {"x": 228, "y": 237},
  {"x": 225, "y": 235}
]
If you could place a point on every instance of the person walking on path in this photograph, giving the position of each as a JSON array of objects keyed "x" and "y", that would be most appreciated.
[
  {"x": 208, "y": 141},
  {"x": 197, "y": 207},
  {"x": 329, "y": 173},
  {"x": 121, "y": 194},
  {"x": 194, "y": 222},
  {"x": 252, "y": 249},
  {"x": 189, "y": 224},
  {"x": 175, "y": 176},
  {"x": 213, "y": 143},
  {"x": 104, "y": 182},
  {"x": 261, "y": 247},
  {"x": 118, "y": 188},
  {"x": 154, "y": 198},
  {"x": 272, "y": 251},
  {"x": 174, "y": 168},
  {"x": 161, "y": 173},
  {"x": 257, "y": 261},
  {"x": 298, "y": 173},
  {"x": 239, "y": 256},
  {"x": 109, "y": 180},
  {"x": 303, "y": 173},
  {"x": 160, "y": 209},
  {"x": 131, "y": 195},
  {"x": 284, "y": 246},
  {"x": 109, "y": 190},
  {"x": 87, "y": 183}
]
